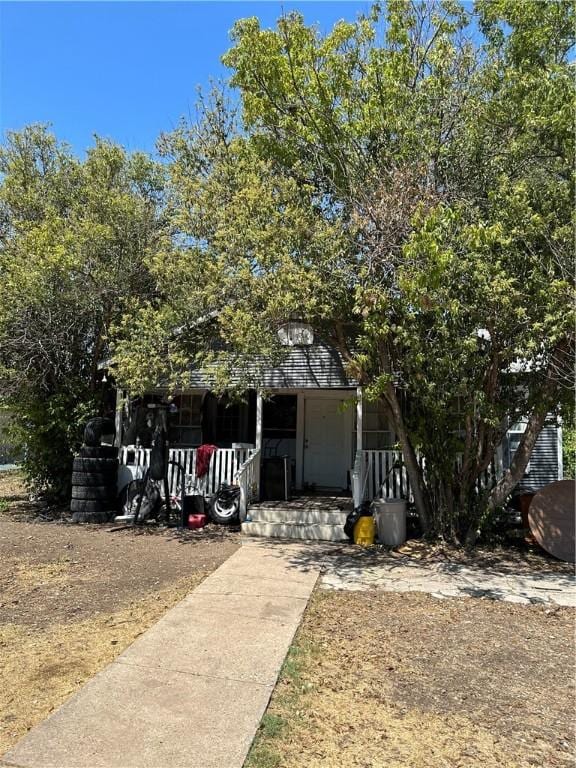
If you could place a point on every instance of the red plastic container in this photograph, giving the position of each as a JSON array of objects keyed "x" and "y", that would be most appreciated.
[{"x": 197, "y": 521}]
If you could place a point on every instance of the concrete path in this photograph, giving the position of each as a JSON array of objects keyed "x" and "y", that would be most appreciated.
[
  {"x": 446, "y": 580},
  {"x": 191, "y": 691}
]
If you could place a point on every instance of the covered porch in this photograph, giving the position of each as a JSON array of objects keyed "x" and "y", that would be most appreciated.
[{"x": 332, "y": 442}]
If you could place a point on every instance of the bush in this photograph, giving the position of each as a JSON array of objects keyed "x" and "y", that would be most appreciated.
[
  {"x": 569, "y": 450},
  {"x": 47, "y": 432}
]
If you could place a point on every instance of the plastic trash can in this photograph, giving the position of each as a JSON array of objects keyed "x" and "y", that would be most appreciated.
[{"x": 390, "y": 517}]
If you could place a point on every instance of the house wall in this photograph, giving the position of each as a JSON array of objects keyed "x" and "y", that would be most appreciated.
[
  {"x": 545, "y": 462},
  {"x": 214, "y": 415}
]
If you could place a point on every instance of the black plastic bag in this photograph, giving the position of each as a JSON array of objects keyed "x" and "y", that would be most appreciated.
[
  {"x": 158, "y": 455},
  {"x": 362, "y": 511}
]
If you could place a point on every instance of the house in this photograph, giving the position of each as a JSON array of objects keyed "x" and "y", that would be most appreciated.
[{"x": 307, "y": 430}]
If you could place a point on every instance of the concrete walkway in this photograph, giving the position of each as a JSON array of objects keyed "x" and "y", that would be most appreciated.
[
  {"x": 443, "y": 580},
  {"x": 190, "y": 692}
]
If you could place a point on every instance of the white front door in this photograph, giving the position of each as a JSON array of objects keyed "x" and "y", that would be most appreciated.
[{"x": 326, "y": 443}]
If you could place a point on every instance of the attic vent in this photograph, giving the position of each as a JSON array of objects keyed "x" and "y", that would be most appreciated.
[{"x": 296, "y": 334}]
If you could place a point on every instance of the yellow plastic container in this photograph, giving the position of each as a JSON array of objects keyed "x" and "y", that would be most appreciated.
[{"x": 365, "y": 531}]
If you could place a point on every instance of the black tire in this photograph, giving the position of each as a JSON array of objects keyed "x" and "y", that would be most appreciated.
[
  {"x": 95, "y": 428},
  {"x": 95, "y": 478},
  {"x": 129, "y": 496},
  {"x": 96, "y": 492},
  {"x": 89, "y": 505},
  {"x": 90, "y": 517},
  {"x": 98, "y": 452},
  {"x": 225, "y": 508},
  {"x": 148, "y": 507},
  {"x": 91, "y": 465}
]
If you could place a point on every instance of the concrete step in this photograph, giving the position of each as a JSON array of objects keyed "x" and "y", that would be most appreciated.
[
  {"x": 293, "y": 530},
  {"x": 262, "y": 514}
]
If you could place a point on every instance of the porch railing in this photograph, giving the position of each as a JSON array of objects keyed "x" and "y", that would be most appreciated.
[
  {"x": 379, "y": 474},
  {"x": 248, "y": 478},
  {"x": 382, "y": 473},
  {"x": 224, "y": 464}
]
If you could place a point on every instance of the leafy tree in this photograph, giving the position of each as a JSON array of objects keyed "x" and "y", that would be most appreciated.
[
  {"x": 569, "y": 445},
  {"x": 409, "y": 192},
  {"x": 73, "y": 237}
]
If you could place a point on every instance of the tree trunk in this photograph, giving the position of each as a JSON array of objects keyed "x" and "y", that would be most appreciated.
[
  {"x": 410, "y": 460},
  {"x": 514, "y": 474}
]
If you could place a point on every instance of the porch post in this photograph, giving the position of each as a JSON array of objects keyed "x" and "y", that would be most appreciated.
[
  {"x": 359, "y": 411},
  {"x": 259, "y": 420},
  {"x": 118, "y": 417},
  {"x": 559, "y": 448},
  {"x": 259, "y": 409}
]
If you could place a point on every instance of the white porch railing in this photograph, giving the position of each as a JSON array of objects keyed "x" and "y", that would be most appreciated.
[
  {"x": 224, "y": 464},
  {"x": 248, "y": 478},
  {"x": 379, "y": 474}
]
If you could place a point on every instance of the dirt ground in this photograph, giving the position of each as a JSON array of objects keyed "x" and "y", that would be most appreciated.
[
  {"x": 73, "y": 597},
  {"x": 520, "y": 556},
  {"x": 409, "y": 681}
]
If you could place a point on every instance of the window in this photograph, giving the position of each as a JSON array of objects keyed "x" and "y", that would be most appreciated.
[
  {"x": 279, "y": 426},
  {"x": 515, "y": 433},
  {"x": 233, "y": 422},
  {"x": 296, "y": 334},
  {"x": 186, "y": 424},
  {"x": 376, "y": 432},
  {"x": 279, "y": 417}
]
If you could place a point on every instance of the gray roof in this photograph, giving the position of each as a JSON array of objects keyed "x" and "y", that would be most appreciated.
[{"x": 316, "y": 366}]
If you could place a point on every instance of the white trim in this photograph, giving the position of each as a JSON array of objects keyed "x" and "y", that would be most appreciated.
[
  {"x": 560, "y": 455},
  {"x": 179, "y": 391},
  {"x": 118, "y": 416},
  {"x": 259, "y": 411},
  {"x": 341, "y": 392},
  {"x": 299, "y": 481},
  {"x": 359, "y": 417}
]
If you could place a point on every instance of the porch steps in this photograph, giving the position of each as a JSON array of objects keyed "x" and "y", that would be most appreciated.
[
  {"x": 313, "y": 523},
  {"x": 309, "y": 516},
  {"x": 308, "y": 532}
]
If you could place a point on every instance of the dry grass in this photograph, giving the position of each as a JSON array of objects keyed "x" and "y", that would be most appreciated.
[
  {"x": 41, "y": 668},
  {"x": 73, "y": 597},
  {"x": 408, "y": 681}
]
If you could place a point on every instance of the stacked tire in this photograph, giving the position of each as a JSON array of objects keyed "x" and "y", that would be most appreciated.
[{"x": 94, "y": 483}]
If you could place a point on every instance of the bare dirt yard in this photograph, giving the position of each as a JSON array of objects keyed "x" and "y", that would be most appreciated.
[
  {"x": 380, "y": 679},
  {"x": 73, "y": 597}
]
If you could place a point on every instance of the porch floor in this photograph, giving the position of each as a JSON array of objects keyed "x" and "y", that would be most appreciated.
[{"x": 324, "y": 502}]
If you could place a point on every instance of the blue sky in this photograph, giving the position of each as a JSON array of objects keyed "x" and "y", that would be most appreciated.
[{"x": 123, "y": 70}]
